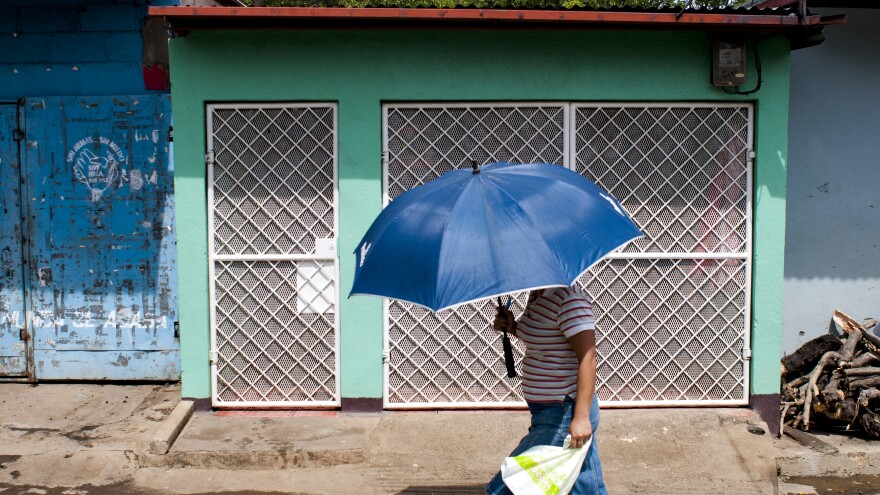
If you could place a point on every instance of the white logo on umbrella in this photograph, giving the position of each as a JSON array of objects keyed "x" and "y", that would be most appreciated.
[{"x": 364, "y": 248}]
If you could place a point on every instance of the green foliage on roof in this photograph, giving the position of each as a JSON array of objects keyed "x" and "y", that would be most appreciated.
[{"x": 497, "y": 4}]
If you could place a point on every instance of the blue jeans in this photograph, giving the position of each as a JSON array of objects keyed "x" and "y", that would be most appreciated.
[{"x": 550, "y": 424}]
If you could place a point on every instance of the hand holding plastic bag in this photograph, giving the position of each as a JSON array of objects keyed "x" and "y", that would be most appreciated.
[{"x": 544, "y": 470}]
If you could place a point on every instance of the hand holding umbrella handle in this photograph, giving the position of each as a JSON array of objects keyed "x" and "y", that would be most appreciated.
[{"x": 508, "y": 348}]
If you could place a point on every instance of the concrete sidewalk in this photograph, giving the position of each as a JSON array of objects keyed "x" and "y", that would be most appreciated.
[
  {"x": 643, "y": 451},
  {"x": 85, "y": 437}
]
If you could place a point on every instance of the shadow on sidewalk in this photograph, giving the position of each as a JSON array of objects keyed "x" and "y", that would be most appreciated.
[{"x": 444, "y": 490}]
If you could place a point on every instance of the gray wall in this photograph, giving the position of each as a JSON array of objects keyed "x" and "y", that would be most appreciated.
[{"x": 832, "y": 252}]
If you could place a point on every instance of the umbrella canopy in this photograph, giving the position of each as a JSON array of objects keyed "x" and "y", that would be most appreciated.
[{"x": 502, "y": 228}]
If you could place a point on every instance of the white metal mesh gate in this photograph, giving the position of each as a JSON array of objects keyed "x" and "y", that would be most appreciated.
[
  {"x": 674, "y": 306},
  {"x": 452, "y": 358},
  {"x": 273, "y": 220},
  {"x": 672, "y": 310}
]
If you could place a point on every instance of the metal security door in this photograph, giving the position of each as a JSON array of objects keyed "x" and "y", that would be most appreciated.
[
  {"x": 273, "y": 226},
  {"x": 674, "y": 306},
  {"x": 453, "y": 358},
  {"x": 100, "y": 225},
  {"x": 672, "y": 310},
  {"x": 13, "y": 329}
]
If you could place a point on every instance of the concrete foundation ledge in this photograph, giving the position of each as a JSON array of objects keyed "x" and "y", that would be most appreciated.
[
  {"x": 852, "y": 458},
  {"x": 265, "y": 441},
  {"x": 171, "y": 427}
]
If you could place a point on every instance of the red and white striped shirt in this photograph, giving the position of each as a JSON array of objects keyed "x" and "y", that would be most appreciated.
[{"x": 550, "y": 365}]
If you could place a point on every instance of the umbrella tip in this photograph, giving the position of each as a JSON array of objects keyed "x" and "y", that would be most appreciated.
[{"x": 475, "y": 167}]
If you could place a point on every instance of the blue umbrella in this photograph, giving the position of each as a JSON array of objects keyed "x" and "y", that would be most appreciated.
[
  {"x": 493, "y": 230},
  {"x": 499, "y": 229}
]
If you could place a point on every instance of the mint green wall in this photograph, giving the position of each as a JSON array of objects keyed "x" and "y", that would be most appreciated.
[{"x": 361, "y": 69}]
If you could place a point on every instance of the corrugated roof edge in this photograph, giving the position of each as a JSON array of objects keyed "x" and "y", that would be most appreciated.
[
  {"x": 752, "y": 8},
  {"x": 748, "y": 19}
]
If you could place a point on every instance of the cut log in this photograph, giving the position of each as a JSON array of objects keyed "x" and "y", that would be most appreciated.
[
  {"x": 845, "y": 322},
  {"x": 803, "y": 359},
  {"x": 785, "y": 407},
  {"x": 872, "y": 381},
  {"x": 849, "y": 347},
  {"x": 811, "y": 385},
  {"x": 843, "y": 411},
  {"x": 802, "y": 393},
  {"x": 797, "y": 382},
  {"x": 847, "y": 410},
  {"x": 873, "y": 339},
  {"x": 863, "y": 359},
  {"x": 867, "y": 395},
  {"x": 831, "y": 392},
  {"x": 863, "y": 371},
  {"x": 834, "y": 377},
  {"x": 870, "y": 423},
  {"x": 810, "y": 441}
]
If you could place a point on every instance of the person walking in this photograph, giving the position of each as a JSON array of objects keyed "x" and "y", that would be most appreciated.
[{"x": 558, "y": 378}]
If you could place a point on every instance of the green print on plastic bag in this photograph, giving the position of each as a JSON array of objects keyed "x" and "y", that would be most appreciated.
[
  {"x": 544, "y": 469},
  {"x": 539, "y": 475}
]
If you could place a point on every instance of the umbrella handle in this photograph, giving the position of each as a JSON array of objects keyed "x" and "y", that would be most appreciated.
[
  {"x": 508, "y": 356},
  {"x": 508, "y": 348}
]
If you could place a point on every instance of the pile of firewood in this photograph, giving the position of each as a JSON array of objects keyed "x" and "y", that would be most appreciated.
[{"x": 833, "y": 381}]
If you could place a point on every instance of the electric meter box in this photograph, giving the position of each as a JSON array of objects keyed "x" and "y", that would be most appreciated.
[{"x": 728, "y": 62}]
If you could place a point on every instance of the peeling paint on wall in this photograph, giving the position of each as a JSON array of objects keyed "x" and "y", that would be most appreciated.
[
  {"x": 13, "y": 351},
  {"x": 100, "y": 226}
]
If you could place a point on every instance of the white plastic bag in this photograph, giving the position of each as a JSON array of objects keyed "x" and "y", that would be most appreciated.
[{"x": 544, "y": 470}]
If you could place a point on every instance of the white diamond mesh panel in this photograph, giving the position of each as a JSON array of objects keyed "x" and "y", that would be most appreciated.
[
  {"x": 268, "y": 351},
  {"x": 273, "y": 179},
  {"x": 448, "y": 357},
  {"x": 679, "y": 171},
  {"x": 454, "y": 357},
  {"x": 669, "y": 330},
  {"x": 274, "y": 295},
  {"x": 425, "y": 142}
]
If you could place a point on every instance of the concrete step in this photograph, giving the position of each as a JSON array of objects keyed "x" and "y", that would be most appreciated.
[
  {"x": 212, "y": 441},
  {"x": 848, "y": 455},
  {"x": 648, "y": 451}
]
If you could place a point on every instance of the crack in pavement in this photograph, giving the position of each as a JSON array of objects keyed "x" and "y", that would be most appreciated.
[{"x": 79, "y": 435}]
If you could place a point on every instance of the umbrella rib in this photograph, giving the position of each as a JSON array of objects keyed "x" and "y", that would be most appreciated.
[
  {"x": 446, "y": 227},
  {"x": 532, "y": 223}
]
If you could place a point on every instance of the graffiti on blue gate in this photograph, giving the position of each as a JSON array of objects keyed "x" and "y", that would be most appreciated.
[
  {"x": 99, "y": 171},
  {"x": 100, "y": 222}
]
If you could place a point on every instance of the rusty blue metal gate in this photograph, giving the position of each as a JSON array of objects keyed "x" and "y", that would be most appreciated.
[
  {"x": 13, "y": 336},
  {"x": 99, "y": 238}
]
